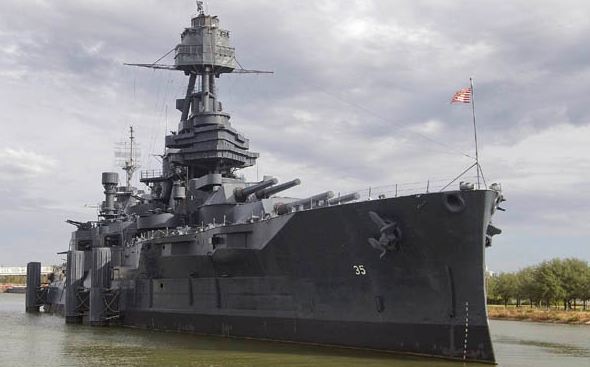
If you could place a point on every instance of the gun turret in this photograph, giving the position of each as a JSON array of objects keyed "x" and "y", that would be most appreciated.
[
  {"x": 344, "y": 199},
  {"x": 265, "y": 193},
  {"x": 241, "y": 194},
  {"x": 80, "y": 225},
  {"x": 307, "y": 203}
]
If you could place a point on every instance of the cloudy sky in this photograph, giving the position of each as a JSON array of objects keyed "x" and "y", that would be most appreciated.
[{"x": 359, "y": 98}]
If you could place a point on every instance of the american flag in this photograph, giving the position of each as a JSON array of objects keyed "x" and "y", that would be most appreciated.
[{"x": 462, "y": 96}]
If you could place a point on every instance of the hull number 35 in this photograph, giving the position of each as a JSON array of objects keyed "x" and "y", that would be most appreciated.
[{"x": 359, "y": 270}]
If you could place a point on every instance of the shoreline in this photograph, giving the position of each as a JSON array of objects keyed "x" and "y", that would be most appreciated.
[
  {"x": 12, "y": 288},
  {"x": 527, "y": 314}
]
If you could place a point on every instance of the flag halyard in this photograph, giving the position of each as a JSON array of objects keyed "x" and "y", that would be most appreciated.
[
  {"x": 462, "y": 96},
  {"x": 465, "y": 95}
]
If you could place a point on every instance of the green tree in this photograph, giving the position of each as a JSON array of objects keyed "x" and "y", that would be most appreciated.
[
  {"x": 506, "y": 287},
  {"x": 573, "y": 278},
  {"x": 548, "y": 280},
  {"x": 552, "y": 281},
  {"x": 491, "y": 289},
  {"x": 527, "y": 286}
]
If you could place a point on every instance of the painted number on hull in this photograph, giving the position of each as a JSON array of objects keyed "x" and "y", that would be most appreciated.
[{"x": 359, "y": 270}]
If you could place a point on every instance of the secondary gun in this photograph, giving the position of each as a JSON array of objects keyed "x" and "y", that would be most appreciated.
[
  {"x": 344, "y": 198},
  {"x": 307, "y": 203},
  {"x": 80, "y": 225}
]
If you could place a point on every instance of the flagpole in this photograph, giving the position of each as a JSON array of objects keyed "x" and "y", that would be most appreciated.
[{"x": 474, "y": 130}]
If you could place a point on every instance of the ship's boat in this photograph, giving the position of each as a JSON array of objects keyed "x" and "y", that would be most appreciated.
[{"x": 206, "y": 252}]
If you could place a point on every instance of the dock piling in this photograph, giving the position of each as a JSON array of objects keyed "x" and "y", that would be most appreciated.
[{"x": 33, "y": 285}]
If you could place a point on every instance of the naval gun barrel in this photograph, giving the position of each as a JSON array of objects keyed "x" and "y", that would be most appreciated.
[
  {"x": 307, "y": 203},
  {"x": 265, "y": 193},
  {"x": 344, "y": 198},
  {"x": 242, "y": 193}
]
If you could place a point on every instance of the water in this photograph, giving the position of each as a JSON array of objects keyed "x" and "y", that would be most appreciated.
[{"x": 44, "y": 340}]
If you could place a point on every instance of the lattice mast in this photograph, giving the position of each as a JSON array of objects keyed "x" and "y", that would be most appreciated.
[{"x": 126, "y": 154}]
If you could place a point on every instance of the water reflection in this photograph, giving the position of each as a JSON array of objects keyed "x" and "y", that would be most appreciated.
[
  {"x": 146, "y": 348},
  {"x": 45, "y": 340},
  {"x": 520, "y": 344},
  {"x": 557, "y": 348}
]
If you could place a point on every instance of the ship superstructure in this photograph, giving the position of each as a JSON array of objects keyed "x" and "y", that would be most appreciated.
[{"x": 207, "y": 252}]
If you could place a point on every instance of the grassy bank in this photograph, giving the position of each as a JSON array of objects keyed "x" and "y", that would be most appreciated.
[
  {"x": 13, "y": 279},
  {"x": 538, "y": 315}
]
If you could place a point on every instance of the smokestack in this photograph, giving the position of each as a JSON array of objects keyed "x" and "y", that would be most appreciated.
[{"x": 110, "y": 180}]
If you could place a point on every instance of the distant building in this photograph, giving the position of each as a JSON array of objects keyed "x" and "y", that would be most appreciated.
[
  {"x": 490, "y": 273},
  {"x": 17, "y": 275},
  {"x": 22, "y": 270}
]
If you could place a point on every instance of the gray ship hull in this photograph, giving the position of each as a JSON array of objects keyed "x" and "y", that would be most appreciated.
[{"x": 318, "y": 280}]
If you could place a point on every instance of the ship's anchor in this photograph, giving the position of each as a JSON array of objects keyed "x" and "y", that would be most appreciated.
[{"x": 391, "y": 234}]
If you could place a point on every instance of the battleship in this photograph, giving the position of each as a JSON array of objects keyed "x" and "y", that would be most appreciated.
[{"x": 203, "y": 251}]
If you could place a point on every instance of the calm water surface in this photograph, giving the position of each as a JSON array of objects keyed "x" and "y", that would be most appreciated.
[{"x": 44, "y": 340}]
